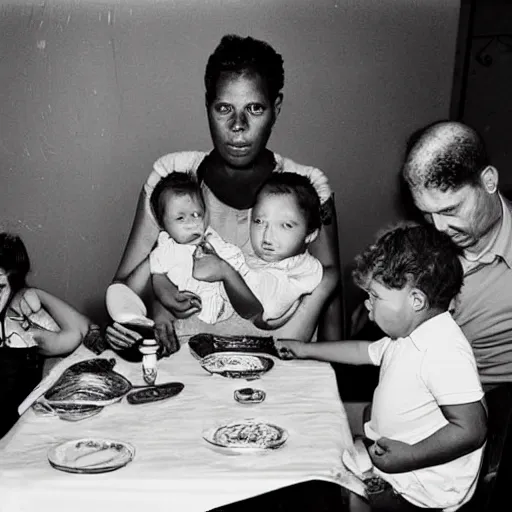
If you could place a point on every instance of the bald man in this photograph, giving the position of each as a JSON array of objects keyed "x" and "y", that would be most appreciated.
[{"x": 456, "y": 188}]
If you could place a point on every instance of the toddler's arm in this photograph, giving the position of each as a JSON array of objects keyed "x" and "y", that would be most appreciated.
[
  {"x": 464, "y": 433},
  {"x": 348, "y": 352}
]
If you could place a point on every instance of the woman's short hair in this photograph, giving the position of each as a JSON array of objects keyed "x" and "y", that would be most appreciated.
[
  {"x": 14, "y": 260},
  {"x": 181, "y": 184},
  {"x": 415, "y": 255},
  {"x": 239, "y": 55},
  {"x": 300, "y": 187}
]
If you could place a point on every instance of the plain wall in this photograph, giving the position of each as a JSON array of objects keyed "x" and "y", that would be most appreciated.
[{"x": 92, "y": 92}]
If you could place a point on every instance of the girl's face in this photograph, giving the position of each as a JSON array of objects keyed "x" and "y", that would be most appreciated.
[
  {"x": 183, "y": 217},
  {"x": 5, "y": 289},
  {"x": 390, "y": 309},
  {"x": 241, "y": 118},
  {"x": 279, "y": 228}
]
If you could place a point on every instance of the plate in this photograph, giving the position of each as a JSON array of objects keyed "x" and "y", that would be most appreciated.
[
  {"x": 90, "y": 455},
  {"x": 92, "y": 382},
  {"x": 202, "y": 345},
  {"x": 235, "y": 365},
  {"x": 247, "y": 435},
  {"x": 125, "y": 307}
]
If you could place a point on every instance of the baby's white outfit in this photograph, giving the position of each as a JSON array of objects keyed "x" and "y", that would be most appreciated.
[{"x": 278, "y": 285}]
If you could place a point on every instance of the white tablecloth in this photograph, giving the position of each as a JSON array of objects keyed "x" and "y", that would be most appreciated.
[{"x": 174, "y": 468}]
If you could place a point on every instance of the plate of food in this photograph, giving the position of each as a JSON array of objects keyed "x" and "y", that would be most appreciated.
[
  {"x": 202, "y": 345},
  {"x": 247, "y": 435},
  {"x": 235, "y": 365},
  {"x": 90, "y": 455}
]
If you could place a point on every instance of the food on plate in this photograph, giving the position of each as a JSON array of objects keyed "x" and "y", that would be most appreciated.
[
  {"x": 249, "y": 434},
  {"x": 236, "y": 365}
]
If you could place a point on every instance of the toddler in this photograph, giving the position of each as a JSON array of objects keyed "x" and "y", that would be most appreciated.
[{"x": 427, "y": 422}]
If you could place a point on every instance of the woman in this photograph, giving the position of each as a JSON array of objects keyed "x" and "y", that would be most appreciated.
[
  {"x": 243, "y": 81},
  {"x": 33, "y": 324}
]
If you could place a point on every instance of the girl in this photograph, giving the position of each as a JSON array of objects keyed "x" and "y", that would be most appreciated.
[{"x": 33, "y": 325}]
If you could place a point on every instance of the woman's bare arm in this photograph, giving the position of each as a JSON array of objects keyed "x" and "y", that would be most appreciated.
[
  {"x": 142, "y": 238},
  {"x": 326, "y": 249}
]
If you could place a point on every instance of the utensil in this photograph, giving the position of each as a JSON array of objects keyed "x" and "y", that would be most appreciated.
[
  {"x": 155, "y": 393},
  {"x": 90, "y": 455}
]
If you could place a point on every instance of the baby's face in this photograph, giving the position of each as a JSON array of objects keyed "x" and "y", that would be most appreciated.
[
  {"x": 184, "y": 218},
  {"x": 278, "y": 227}
]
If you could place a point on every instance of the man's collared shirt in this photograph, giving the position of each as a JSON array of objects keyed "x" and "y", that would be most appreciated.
[{"x": 483, "y": 308}]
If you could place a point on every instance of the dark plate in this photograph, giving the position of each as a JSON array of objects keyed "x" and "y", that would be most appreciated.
[
  {"x": 155, "y": 393},
  {"x": 202, "y": 345},
  {"x": 91, "y": 382}
]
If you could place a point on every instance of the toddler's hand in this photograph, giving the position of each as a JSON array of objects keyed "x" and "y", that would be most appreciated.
[
  {"x": 392, "y": 456},
  {"x": 289, "y": 349}
]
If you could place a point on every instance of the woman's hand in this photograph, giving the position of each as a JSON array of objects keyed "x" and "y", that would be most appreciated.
[
  {"x": 120, "y": 337},
  {"x": 289, "y": 349},
  {"x": 392, "y": 456}
]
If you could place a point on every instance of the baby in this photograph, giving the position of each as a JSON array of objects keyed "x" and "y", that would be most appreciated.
[
  {"x": 285, "y": 220},
  {"x": 427, "y": 423}
]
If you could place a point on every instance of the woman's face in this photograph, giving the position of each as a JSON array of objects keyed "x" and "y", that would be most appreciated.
[
  {"x": 5, "y": 289},
  {"x": 241, "y": 118}
]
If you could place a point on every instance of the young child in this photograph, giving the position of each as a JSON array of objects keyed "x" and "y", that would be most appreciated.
[
  {"x": 427, "y": 423},
  {"x": 285, "y": 220},
  {"x": 33, "y": 324}
]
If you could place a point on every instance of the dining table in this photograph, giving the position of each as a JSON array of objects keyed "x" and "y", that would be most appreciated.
[{"x": 174, "y": 468}]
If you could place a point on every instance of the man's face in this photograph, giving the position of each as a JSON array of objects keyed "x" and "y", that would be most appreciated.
[{"x": 466, "y": 215}]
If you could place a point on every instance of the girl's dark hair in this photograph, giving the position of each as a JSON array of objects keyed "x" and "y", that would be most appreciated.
[
  {"x": 300, "y": 187},
  {"x": 181, "y": 184},
  {"x": 14, "y": 260},
  {"x": 240, "y": 55},
  {"x": 417, "y": 255}
]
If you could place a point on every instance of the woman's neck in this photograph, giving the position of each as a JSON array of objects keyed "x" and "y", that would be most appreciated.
[{"x": 237, "y": 188}]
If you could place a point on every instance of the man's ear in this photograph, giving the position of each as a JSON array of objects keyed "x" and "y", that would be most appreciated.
[
  {"x": 489, "y": 178},
  {"x": 418, "y": 299},
  {"x": 312, "y": 236}
]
